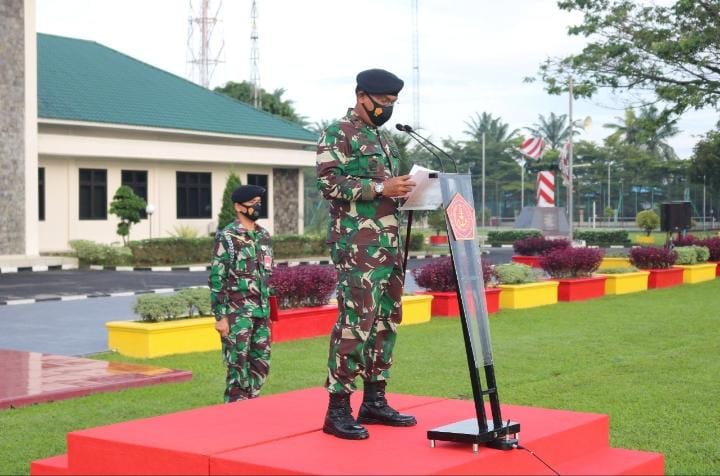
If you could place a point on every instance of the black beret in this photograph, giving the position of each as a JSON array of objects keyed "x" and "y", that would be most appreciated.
[
  {"x": 379, "y": 81},
  {"x": 245, "y": 193}
]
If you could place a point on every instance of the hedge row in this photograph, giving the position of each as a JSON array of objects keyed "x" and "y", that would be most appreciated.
[
  {"x": 508, "y": 237},
  {"x": 295, "y": 246},
  {"x": 603, "y": 238},
  {"x": 169, "y": 251},
  {"x": 175, "y": 251}
]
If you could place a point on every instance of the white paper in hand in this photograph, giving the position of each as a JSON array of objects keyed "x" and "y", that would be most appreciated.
[{"x": 426, "y": 194}]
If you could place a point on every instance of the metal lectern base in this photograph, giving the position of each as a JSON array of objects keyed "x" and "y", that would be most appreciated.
[{"x": 502, "y": 438}]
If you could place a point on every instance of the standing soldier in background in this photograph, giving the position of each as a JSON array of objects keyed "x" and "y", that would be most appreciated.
[
  {"x": 241, "y": 266},
  {"x": 357, "y": 170}
]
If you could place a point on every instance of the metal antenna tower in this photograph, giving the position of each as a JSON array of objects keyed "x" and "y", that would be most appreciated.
[
  {"x": 255, "y": 57},
  {"x": 201, "y": 26},
  {"x": 416, "y": 66}
]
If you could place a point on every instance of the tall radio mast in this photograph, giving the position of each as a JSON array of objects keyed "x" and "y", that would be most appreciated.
[
  {"x": 200, "y": 41},
  {"x": 255, "y": 57}
]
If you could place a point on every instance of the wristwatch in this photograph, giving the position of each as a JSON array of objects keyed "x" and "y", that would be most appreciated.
[{"x": 379, "y": 188}]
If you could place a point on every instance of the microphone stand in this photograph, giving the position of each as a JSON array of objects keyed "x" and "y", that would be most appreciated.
[
  {"x": 414, "y": 133},
  {"x": 408, "y": 130}
]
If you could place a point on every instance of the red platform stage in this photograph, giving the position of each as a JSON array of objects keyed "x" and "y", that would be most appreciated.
[{"x": 281, "y": 434}]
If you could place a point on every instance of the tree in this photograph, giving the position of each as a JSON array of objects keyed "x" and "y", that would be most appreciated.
[
  {"x": 127, "y": 206},
  {"x": 494, "y": 128},
  {"x": 555, "y": 129},
  {"x": 648, "y": 220},
  {"x": 436, "y": 220},
  {"x": 705, "y": 161},
  {"x": 270, "y": 102},
  {"x": 649, "y": 130},
  {"x": 627, "y": 129},
  {"x": 227, "y": 211},
  {"x": 671, "y": 51}
]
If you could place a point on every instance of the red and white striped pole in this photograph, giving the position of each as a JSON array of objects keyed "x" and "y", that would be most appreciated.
[{"x": 545, "y": 189}]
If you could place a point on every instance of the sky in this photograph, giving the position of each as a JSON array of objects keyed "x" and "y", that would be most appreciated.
[{"x": 473, "y": 54}]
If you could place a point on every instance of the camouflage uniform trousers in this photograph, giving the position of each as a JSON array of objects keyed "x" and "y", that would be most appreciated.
[
  {"x": 246, "y": 352},
  {"x": 369, "y": 293}
]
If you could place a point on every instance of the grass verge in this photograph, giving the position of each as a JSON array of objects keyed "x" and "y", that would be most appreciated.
[{"x": 649, "y": 360}]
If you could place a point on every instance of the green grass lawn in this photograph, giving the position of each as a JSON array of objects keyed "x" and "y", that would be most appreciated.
[{"x": 649, "y": 360}]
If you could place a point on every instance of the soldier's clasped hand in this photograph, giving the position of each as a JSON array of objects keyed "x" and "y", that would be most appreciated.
[{"x": 398, "y": 186}]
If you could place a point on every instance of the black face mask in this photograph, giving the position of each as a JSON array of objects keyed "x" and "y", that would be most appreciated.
[
  {"x": 255, "y": 211},
  {"x": 380, "y": 114}
]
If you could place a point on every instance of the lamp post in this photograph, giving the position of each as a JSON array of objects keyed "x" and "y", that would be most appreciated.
[
  {"x": 570, "y": 161},
  {"x": 482, "y": 210},
  {"x": 703, "y": 202},
  {"x": 150, "y": 209},
  {"x": 608, "y": 193}
]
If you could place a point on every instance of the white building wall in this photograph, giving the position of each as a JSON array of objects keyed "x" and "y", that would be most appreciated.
[{"x": 62, "y": 223}]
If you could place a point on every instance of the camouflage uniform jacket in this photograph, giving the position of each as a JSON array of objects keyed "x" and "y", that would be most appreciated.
[
  {"x": 351, "y": 158},
  {"x": 241, "y": 265}
]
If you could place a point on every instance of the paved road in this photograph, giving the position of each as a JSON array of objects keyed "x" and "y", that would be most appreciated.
[
  {"x": 51, "y": 284},
  {"x": 78, "y": 327}
]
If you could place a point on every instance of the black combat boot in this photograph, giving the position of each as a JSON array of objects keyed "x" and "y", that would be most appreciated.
[
  {"x": 339, "y": 420},
  {"x": 374, "y": 408}
]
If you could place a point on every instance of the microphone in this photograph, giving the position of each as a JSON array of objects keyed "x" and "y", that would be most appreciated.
[
  {"x": 412, "y": 131},
  {"x": 405, "y": 128}
]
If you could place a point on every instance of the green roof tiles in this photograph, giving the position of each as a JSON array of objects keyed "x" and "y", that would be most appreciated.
[{"x": 82, "y": 80}]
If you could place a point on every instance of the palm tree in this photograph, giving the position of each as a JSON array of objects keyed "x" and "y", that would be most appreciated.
[
  {"x": 656, "y": 129},
  {"x": 555, "y": 129},
  {"x": 494, "y": 128},
  {"x": 627, "y": 129},
  {"x": 649, "y": 130}
]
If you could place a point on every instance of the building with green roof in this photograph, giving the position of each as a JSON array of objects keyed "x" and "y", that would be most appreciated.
[{"x": 106, "y": 119}]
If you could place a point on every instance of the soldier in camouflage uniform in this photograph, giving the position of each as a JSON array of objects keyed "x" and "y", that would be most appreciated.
[
  {"x": 241, "y": 266},
  {"x": 357, "y": 172}
]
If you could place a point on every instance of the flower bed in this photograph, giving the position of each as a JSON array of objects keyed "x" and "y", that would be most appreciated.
[
  {"x": 698, "y": 273},
  {"x": 581, "y": 289},
  {"x": 523, "y": 296},
  {"x": 628, "y": 282},
  {"x": 614, "y": 262},
  {"x": 532, "y": 261},
  {"x": 665, "y": 277},
  {"x": 445, "y": 303}
]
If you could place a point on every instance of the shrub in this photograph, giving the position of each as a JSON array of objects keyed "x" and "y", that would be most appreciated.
[
  {"x": 438, "y": 276},
  {"x": 572, "y": 262},
  {"x": 603, "y": 238},
  {"x": 506, "y": 237},
  {"x": 515, "y": 273},
  {"x": 167, "y": 251},
  {"x": 647, "y": 220},
  {"x": 197, "y": 301},
  {"x": 687, "y": 240},
  {"x": 686, "y": 255},
  {"x": 303, "y": 286},
  {"x": 436, "y": 221},
  {"x": 703, "y": 253},
  {"x": 185, "y": 231},
  {"x": 417, "y": 241},
  {"x": 630, "y": 269},
  {"x": 89, "y": 252},
  {"x": 535, "y": 245},
  {"x": 713, "y": 246},
  {"x": 295, "y": 246},
  {"x": 652, "y": 257},
  {"x": 156, "y": 308},
  {"x": 227, "y": 211},
  {"x": 128, "y": 207},
  {"x": 692, "y": 254}
]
